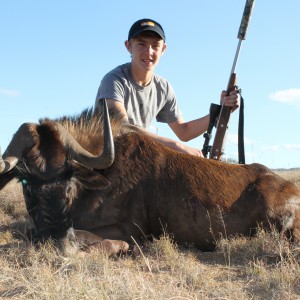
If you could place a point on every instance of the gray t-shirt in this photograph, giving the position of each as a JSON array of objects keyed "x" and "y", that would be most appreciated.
[{"x": 143, "y": 104}]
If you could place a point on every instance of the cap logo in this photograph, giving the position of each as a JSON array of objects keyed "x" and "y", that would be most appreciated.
[{"x": 147, "y": 23}]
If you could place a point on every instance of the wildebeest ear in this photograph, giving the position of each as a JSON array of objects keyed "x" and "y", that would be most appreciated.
[{"x": 90, "y": 179}]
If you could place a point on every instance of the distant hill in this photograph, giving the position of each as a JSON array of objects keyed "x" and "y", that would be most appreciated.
[{"x": 283, "y": 169}]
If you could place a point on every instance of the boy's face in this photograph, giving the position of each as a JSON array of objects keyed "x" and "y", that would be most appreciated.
[{"x": 146, "y": 50}]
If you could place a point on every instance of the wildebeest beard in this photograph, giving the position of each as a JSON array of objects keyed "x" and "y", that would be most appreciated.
[{"x": 47, "y": 205}]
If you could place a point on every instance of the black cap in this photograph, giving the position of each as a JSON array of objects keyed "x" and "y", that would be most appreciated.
[{"x": 146, "y": 25}]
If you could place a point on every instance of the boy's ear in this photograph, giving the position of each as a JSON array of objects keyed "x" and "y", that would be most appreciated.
[
  {"x": 164, "y": 48},
  {"x": 128, "y": 45}
]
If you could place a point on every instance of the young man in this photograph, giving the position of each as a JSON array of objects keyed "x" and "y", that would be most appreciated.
[{"x": 134, "y": 91}]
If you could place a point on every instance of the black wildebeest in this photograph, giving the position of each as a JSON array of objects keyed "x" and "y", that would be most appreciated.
[{"x": 126, "y": 185}]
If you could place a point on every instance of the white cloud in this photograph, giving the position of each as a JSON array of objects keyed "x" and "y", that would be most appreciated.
[
  {"x": 233, "y": 138},
  {"x": 153, "y": 129},
  {"x": 292, "y": 147},
  {"x": 9, "y": 93},
  {"x": 272, "y": 148},
  {"x": 247, "y": 154},
  {"x": 291, "y": 96}
]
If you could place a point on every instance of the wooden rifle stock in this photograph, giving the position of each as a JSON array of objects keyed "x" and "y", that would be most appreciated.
[{"x": 217, "y": 148}]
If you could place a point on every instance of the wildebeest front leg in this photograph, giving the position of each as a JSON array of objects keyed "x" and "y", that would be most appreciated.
[
  {"x": 88, "y": 240},
  {"x": 295, "y": 230}
]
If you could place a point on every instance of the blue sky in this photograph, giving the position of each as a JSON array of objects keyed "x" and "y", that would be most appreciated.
[{"x": 54, "y": 53}]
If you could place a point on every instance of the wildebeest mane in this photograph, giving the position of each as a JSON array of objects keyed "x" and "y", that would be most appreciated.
[{"x": 87, "y": 128}]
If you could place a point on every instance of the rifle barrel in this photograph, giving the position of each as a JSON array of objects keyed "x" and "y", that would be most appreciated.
[
  {"x": 243, "y": 30},
  {"x": 245, "y": 19},
  {"x": 236, "y": 57}
]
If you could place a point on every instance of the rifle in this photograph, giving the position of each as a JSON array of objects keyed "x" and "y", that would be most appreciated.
[{"x": 217, "y": 149}]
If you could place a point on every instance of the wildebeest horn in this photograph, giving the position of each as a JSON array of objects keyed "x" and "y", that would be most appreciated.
[
  {"x": 84, "y": 157},
  {"x": 23, "y": 139}
]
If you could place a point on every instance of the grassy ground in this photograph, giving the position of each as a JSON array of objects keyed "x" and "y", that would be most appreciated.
[{"x": 258, "y": 268}]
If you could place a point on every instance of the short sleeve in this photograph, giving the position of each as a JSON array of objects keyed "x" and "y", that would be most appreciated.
[
  {"x": 170, "y": 111},
  {"x": 111, "y": 87}
]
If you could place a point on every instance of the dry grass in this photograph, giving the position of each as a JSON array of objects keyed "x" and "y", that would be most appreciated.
[
  {"x": 292, "y": 175},
  {"x": 258, "y": 268}
]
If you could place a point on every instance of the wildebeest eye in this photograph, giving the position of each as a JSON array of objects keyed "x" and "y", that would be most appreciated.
[
  {"x": 24, "y": 182},
  {"x": 26, "y": 185}
]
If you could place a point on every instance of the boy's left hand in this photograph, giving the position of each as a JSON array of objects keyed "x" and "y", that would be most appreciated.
[{"x": 233, "y": 100}]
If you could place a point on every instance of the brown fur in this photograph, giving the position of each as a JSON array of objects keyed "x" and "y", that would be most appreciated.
[{"x": 151, "y": 188}]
